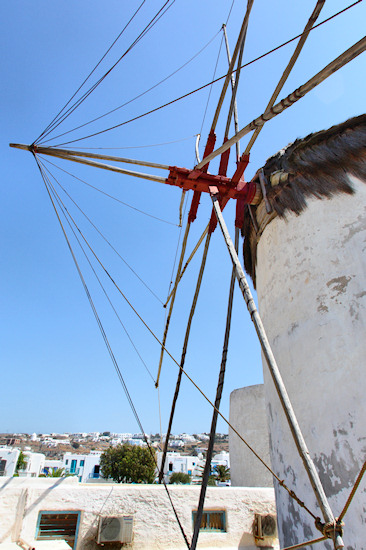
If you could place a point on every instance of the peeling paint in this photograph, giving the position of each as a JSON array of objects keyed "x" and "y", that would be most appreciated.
[
  {"x": 354, "y": 228},
  {"x": 339, "y": 285},
  {"x": 322, "y": 308},
  {"x": 335, "y": 472},
  {"x": 292, "y": 328}
]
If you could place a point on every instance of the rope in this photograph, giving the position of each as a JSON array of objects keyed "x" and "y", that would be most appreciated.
[
  {"x": 314, "y": 16},
  {"x": 61, "y": 204},
  {"x": 184, "y": 246},
  {"x": 89, "y": 75},
  {"x": 220, "y": 385},
  {"x": 110, "y": 196},
  {"x": 107, "y": 241},
  {"x": 137, "y": 146},
  {"x": 141, "y": 94},
  {"x": 183, "y": 356},
  {"x": 187, "y": 263},
  {"x": 352, "y": 494},
  {"x": 302, "y": 544},
  {"x": 148, "y": 27},
  {"x": 115, "y": 363},
  {"x": 209, "y": 83}
]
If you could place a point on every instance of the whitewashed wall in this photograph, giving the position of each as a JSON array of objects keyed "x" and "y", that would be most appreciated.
[
  {"x": 311, "y": 282},
  {"x": 11, "y": 456},
  {"x": 154, "y": 524},
  {"x": 248, "y": 416}
]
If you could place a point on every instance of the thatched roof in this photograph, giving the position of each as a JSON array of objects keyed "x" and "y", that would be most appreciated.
[{"x": 315, "y": 166}]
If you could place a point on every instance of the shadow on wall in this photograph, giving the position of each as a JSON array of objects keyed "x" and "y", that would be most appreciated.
[
  {"x": 6, "y": 484},
  {"x": 25, "y": 511}
]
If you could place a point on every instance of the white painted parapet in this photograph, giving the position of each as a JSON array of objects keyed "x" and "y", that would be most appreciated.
[
  {"x": 248, "y": 416},
  {"x": 311, "y": 284},
  {"x": 154, "y": 527}
]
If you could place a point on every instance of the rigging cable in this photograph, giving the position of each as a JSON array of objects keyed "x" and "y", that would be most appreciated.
[
  {"x": 209, "y": 83},
  {"x": 69, "y": 217},
  {"x": 281, "y": 482},
  {"x": 137, "y": 146},
  {"x": 141, "y": 94},
  {"x": 92, "y": 71},
  {"x": 115, "y": 363},
  {"x": 111, "y": 196},
  {"x": 148, "y": 27},
  {"x": 220, "y": 386},
  {"x": 104, "y": 238},
  {"x": 173, "y": 294},
  {"x": 183, "y": 356},
  {"x": 233, "y": 113},
  {"x": 314, "y": 16},
  {"x": 332, "y": 67},
  {"x": 179, "y": 273}
]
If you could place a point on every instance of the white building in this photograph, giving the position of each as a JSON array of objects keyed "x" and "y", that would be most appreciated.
[
  {"x": 8, "y": 461},
  {"x": 187, "y": 438},
  {"x": 35, "y": 464},
  {"x": 175, "y": 462},
  {"x": 221, "y": 459},
  {"x": 85, "y": 467}
]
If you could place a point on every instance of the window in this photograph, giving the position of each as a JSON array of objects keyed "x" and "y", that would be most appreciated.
[
  {"x": 170, "y": 466},
  {"x": 82, "y": 462},
  {"x": 2, "y": 467},
  {"x": 58, "y": 525},
  {"x": 212, "y": 520},
  {"x": 66, "y": 462}
]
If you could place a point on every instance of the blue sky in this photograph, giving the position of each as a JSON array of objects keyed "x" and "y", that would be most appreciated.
[{"x": 56, "y": 373}]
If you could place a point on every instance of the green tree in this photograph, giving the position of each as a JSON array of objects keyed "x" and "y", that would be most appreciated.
[
  {"x": 128, "y": 464},
  {"x": 180, "y": 477},
  {"x": 21, "y": 462},
  {"x": 222, "y": 473},
  {"x": 211, "y": 482}
]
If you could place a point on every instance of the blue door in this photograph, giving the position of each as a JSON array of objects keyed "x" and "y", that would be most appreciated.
[{"x": 73, "y": 466}]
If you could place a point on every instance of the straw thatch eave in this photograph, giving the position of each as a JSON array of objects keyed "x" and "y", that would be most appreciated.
[{"x": 315, "y": 166}]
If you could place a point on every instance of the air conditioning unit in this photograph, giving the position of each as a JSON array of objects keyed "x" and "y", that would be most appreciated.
[
  {"x": 264, "y": 526},
  {"x": 115, "y": 529}
]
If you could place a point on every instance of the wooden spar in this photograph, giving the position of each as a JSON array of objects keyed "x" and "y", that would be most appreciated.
[
  {"x": 314, "y": 16},
  {"x": 68, "y": 155},
  {"x": 233, "y": 109},
  {"x": 67, "y": 152},
  {"x": 242, "y": 33},
  {"x": 338, "y": 63},
  {"x": 276, "y": 376}
]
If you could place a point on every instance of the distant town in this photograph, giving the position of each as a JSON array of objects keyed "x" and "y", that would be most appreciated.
[
  {"x": 79, "y": 454},
  {"x": 55, "y": 445}
]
